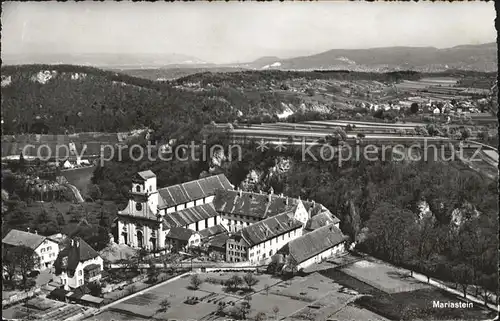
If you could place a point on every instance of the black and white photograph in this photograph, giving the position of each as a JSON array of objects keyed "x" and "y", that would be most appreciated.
[{"x": 249, "y": 160}]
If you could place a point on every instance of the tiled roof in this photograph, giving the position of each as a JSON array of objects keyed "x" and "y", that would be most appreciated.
[
  {"x": 22, "y": 238},
  {"x": 314, "y": 208},
  {"x": 75, "y": 254},
  {"x": 269, "y": 228},
  {"x": 146, "y": 174},
  {"x": 91, "y": 267},
  {"x": 180, "y": 233},
  {"x": 193, "y": 190},
  {"x": 320, "y": 220},
  {"x": 313, "y": 243},
  {"x": 189, "y": 215},
  {"x": 212, "y": 231},
  {"x": 219, "y": 241},
  {"x": 252, "y": 204}
]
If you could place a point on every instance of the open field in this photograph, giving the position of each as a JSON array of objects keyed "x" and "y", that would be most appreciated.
[{"x": 383, "y": 276}]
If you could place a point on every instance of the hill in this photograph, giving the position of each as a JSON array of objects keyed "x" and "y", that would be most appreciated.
[
  {"x": 64, "y": 99},
  {"x": 105, "y": 60},
  {"x": 467, "y": 57},
  {"x": 58, "y": 99},
  {"x": 175, "y": 71}
]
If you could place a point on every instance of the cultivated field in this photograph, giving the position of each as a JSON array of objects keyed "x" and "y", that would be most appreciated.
[
  {"x": 383, "y": 276},
  {"x": 147, "y": 304}
]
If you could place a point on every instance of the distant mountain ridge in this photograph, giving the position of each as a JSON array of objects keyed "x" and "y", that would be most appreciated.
[
  {"x": 106, "y": 60},
  {"x": 481, "y": 57}
]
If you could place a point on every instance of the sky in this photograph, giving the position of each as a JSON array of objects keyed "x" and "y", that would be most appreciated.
[{"x": 239, "y": 32}]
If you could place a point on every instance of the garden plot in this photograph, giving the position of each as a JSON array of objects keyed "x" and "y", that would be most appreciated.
[
  {"x": 115, "y": 315},
  {"x": 310, "y": 288},
  {"x": 383, "y": 276},
  {"x": 321, "y": 309},
  {"x": 261, "y": 302}
]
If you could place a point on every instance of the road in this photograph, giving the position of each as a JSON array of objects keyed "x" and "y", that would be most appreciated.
[
  {"x": 423, "y": 278},
  {"x": 76, "y": 193}
]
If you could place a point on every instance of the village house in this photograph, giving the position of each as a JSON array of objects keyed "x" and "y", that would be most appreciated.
[
  {"x": 77, "y": 264},
  {"x": 211, "y": 232},
  {"x": 180, "y": 239},
  {"x": 45, "y": 249},
  {"x": 258, "y": 242},
  {"x": 313, "y": 247},
  {"x": 152, "y": 212},
  {"x": 216, "y": 246}
]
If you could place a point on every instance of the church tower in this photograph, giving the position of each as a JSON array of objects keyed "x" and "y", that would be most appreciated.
[{"x": 144, "y": 192}]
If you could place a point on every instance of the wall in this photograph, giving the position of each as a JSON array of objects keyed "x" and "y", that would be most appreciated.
[
  {"x": 20, "y": 296},
  {"x": 323, "y": 255},
  {"x": 46, "y": 255},
  {"x": 268, "y": 248},
  {"x": 233, "y": 254}
]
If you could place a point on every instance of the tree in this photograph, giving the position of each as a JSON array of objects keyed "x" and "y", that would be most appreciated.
[
  {"x": 60, "y": 219},
  {"x": 389, "y": 229},
  {"x": 462, "y": 274},
  {"x": 250, "y": 280},
  {"x": 153, "y": 272},
  {"x": 94, "y": 191},
  {"x": 244, "y": 309},
  {"x": 165, "y": 305},
  {"x": 27, "y": 260},
  {"x": 414, "y": 108},
  {"x": 488, "y": 281},
  {"x": 266, "y": 288},
  {"x": 9, "y": 263},
  {"x": 421, "y": 130},
  {"x": 340, "y": 133},
  {"x": 195, "y": 281},
  {"x": 465, "y": 133},
  {"x": 261, "y": 316},
  {"x": 95, "y": 289},
  {"x": 234, "y": 282},
  {"x": 276, "y": 310}
]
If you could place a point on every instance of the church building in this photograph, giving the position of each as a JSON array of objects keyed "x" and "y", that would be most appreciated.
[{"x": 151, "y": 213}]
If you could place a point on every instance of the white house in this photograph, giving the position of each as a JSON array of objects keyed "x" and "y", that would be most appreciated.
[
  {"x": 68, "y": 164},
  {"x": 78, "y": 264},
  {"x": 180, "y": 239},
  {"x": 45, "y": 249},
  {"x": 313, "y": 247},
  {"x": 258, "y": 242}
]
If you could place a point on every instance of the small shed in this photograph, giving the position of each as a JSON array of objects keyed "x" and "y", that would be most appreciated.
[
  {"x": 59, "y": 294},
  {"x": 91, "y": 300}
]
